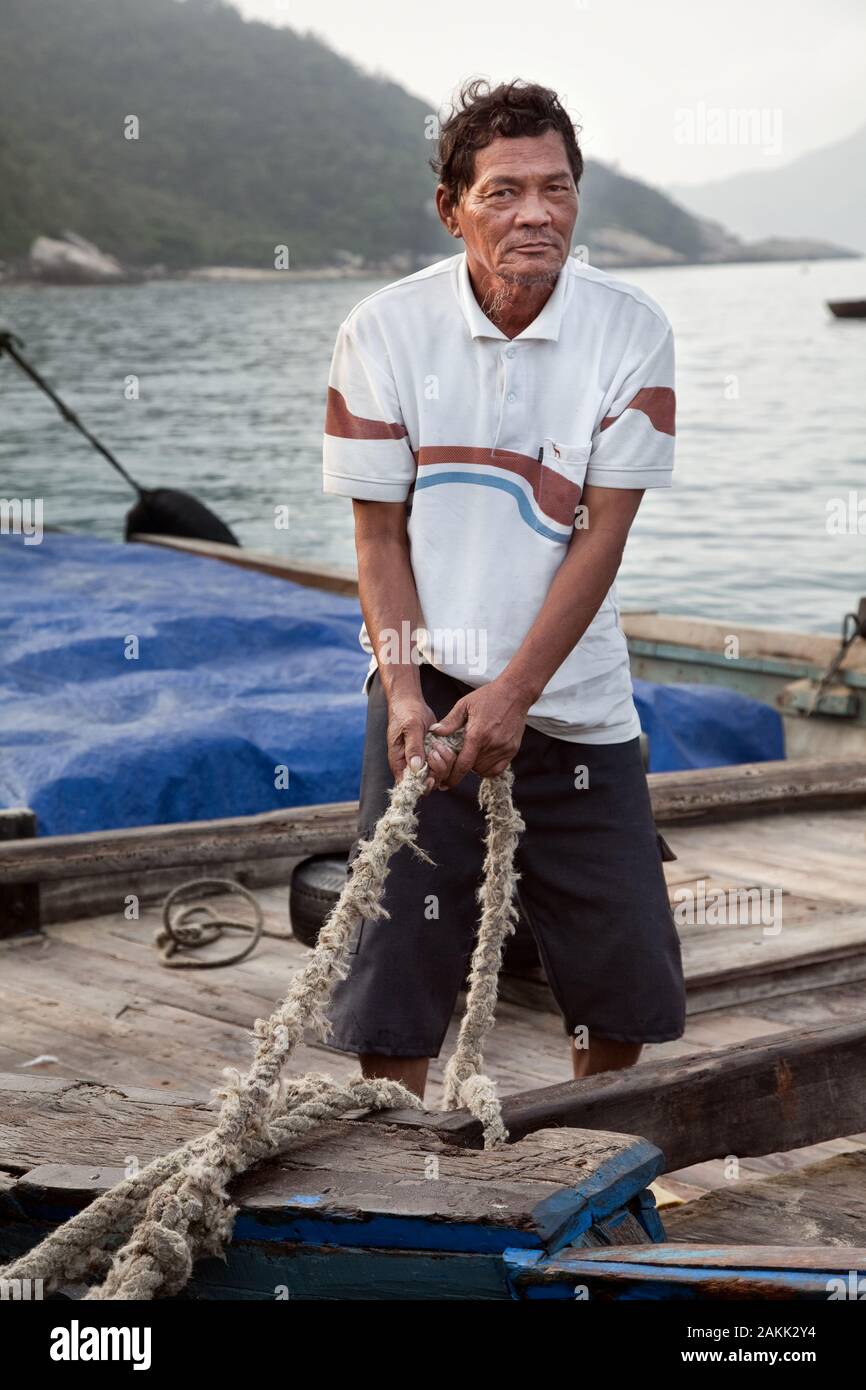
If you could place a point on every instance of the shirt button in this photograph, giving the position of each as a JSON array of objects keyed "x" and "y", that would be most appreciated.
[
  {"x": 511, "y": 397},
  {"x": 510, "y": 352}
]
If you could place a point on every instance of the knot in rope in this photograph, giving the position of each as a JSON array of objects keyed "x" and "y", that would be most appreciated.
[{"x": 157, "y": 1255}]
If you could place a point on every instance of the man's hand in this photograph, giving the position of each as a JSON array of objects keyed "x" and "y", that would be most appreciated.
[
  {"x": 409, "y": 718},
  {"x": 494, "y": 718}
]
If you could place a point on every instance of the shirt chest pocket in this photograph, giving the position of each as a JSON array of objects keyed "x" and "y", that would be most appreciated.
[
  {"x": 569, "y": 460},
  {"x": 562, "y": 470}
]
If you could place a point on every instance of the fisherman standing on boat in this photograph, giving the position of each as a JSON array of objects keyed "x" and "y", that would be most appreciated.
[{"x": 496, "y": 419}]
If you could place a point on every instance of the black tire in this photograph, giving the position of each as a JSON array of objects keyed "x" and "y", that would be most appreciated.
[
  {"x": 316, "y": 885},
  {"x": 318, "y": 882}
]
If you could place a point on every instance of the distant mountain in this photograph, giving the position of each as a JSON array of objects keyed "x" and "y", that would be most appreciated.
[
  {"x": 626, "y": 222},
  {"x": 821, "y": 194},
  {"x": 249, "y": 138}
]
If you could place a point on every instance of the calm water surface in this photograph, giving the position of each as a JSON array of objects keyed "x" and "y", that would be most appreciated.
[{"x": 232, "y": 381}]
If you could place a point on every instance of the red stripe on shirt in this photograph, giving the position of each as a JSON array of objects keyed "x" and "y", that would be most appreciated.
[
  {"x": 658, "y": 403},
  {"x": 340, "y": 423}
]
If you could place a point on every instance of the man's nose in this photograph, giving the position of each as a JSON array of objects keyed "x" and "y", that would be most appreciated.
[{"x": 533, "y": 210}]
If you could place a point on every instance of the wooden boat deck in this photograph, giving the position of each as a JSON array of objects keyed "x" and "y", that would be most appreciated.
[{"x": 91, "y": 993}]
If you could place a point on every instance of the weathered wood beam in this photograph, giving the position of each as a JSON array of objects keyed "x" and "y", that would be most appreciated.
[
  {"x": 754, "y": 789},
  {"x": 19, "y": 902},
  {"x": 334, "y": 581},
  {"x": 765, "y": 1096},
  {"x": 295, "y": 833},
  {"x": 706, "y": 1272},
  {"x": 46, "y": 1119},
  {"x": 709, "y": 794}
]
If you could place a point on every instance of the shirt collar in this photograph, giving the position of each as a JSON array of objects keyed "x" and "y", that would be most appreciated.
[{"x": 546, "y": 325}]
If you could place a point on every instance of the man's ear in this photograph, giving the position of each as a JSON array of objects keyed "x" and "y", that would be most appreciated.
[{"x": 447, "y": 212}]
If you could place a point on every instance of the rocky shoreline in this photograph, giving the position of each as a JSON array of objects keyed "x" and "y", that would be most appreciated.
[{"x": 73, "y": 260}]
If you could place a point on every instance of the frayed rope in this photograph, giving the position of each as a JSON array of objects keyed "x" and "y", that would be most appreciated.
[{"x": 143, "y": 1236}]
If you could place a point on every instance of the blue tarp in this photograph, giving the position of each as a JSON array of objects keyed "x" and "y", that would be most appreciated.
[
  {"x": 141, "y": 686},
  {"x": 705, "y": 726},
  {"x": 236, "y": 674}
]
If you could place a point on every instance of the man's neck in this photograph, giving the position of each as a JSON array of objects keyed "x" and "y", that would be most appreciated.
[{"x": 511, "y": 307}]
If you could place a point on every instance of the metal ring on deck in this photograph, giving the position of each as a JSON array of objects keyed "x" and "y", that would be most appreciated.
[{"x": 182, "y": 933}]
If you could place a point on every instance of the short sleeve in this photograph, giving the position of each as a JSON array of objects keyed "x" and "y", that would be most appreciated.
[
  {"x": 366, "y": 451},
  {"x": 633, "y": 444}
]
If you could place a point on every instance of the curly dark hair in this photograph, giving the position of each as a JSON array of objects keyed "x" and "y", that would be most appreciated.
[{"x": 481, "y": 114}]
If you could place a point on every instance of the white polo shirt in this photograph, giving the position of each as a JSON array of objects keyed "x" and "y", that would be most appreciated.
[{"x": 490, "y": 441}]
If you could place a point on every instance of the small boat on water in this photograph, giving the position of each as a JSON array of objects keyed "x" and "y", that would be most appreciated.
[
  {"x": 785, "y": 671},
  {"x": 728, "y": 1164},
  {"x": 847, "y": 308}
]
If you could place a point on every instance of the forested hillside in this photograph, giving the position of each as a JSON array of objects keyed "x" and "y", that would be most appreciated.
[{"x": 249, "y": 138}]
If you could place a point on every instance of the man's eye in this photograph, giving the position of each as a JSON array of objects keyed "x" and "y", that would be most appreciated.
[{"x": 502, "y": 192}]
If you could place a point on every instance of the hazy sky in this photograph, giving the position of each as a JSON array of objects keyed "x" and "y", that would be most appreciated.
[{"x": 645, "y": 79}]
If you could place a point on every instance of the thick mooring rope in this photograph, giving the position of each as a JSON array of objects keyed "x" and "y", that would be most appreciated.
[{"x": 143, "y": 1236}]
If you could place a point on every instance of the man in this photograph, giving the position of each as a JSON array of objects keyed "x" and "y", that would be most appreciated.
[{"x": 496, "y": 420}]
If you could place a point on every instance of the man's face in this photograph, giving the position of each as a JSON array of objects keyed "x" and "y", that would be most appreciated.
[{"x": 518, "y": 216}]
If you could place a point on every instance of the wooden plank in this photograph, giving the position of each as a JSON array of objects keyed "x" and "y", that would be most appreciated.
[
  {"x": 116, "y": 959},
  {"x": 19, "y": 902},
  {"x": 766, "y": 1256},
  {"x": 108, "y": 1011},
  {"x": 553, "y": 1184},
  {"x": 720, "y": 1173},
  {"x": 76, "y": 953},
  {"x": 176, "y": 1045},
  {"x": 42, "y": 1118},
  {"x": 64, "y": 900},
  {"x": 348, "y": 1183},
  {"x": 721, "y": 793},
  {"x": 45, "y": 1117},
  {"x": 730, "y": 1029},
  {"x": 821, "y": 1204},
  {"x": 712, "y": 955},
  {"x": 333, "y": 580},
  {"x": 814, "y": 1008},
  {"x": 751, "y": 789},
  {"x": 757, "y": 1098},
  {"x": 772, "y": 1164},
  {"x": 294, "y": 834},
  {"x": 668, "y": 1270},
  {"x": 791, "y": 862},
  {"x": 525, "y": 1050}
]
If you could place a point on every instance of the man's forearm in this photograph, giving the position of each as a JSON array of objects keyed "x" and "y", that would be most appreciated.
[
  {"x": 389, "y": 600},
  {"x": 392, "y": 616},
  {"x": 575, "y": 596}
]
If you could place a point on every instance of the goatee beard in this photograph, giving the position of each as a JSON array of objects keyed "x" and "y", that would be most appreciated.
[
  {"x": 541, "y": 277},
  {"x": 495, "y": 303}
]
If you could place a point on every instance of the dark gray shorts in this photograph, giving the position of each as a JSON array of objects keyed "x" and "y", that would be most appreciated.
[{"x": 592, "y": 889}]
